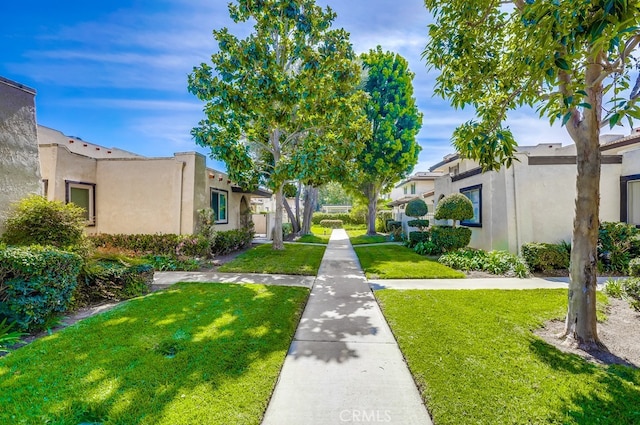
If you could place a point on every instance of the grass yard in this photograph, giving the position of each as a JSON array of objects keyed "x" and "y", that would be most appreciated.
[
  {"x": 196, "y": 353},
  {"x": 476, "y": 361},
  {"x": 360, "y": 237},
  {"x": 293, "y": 259},
  {"x": 399, "y": 262}
]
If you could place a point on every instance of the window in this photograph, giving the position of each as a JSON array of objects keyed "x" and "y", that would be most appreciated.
[
  {"x": 219, "y": 205},
  {"x": 630, "y": 199},
  {"x": 413, "y": 188},
  {"x": 474, "y": 193},
  {"x": 455, "y": 170},
  {"x": 82, "y": 195},
  {"x": 405, "y": 189}
]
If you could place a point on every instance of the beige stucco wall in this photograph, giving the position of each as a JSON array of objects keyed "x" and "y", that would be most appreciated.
[
  {"x": 532, "y": 203},
  {"x": 19, "y": 166},
  {"x": 631, "y": 162}
]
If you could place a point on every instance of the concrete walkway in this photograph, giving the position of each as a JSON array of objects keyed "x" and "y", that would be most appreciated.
[{"x": 344, "y": 365}]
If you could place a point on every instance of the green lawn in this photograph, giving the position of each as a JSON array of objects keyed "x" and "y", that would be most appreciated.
[
  {"x": 195, "y": 353},
  {"x": 294, "y": 259},
  {"x": 399, "y": 262},
  {"x": 360, "y": 237},
  {"x": 476, "y": 361}
]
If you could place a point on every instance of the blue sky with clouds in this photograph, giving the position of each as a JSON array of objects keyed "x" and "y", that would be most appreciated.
[{"x": 115, "y": 72}]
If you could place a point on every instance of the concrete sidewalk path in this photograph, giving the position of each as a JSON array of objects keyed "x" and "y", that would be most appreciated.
[
  {"x": 169, "y": 278},
  {"x": 344, "y": 365}
]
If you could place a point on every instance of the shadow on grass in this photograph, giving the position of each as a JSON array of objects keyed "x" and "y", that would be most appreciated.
[
  {"x": 614, "y": 397},
  {"x": 196, "y": 353}
]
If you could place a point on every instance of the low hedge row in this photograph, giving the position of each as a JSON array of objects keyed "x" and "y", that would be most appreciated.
[
  {"x": 545, "y": 256},
  {"x": 494, "y": 262},
  {"x": 36, "y": 283},
  {"x": 163, "y": 244},
  {"x": 231, "y": 240},
  {"x": 332, "y": 224},
  {"x": 346, "y": 218}
]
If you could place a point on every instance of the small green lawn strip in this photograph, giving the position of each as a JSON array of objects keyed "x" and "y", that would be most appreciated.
[
  {"x": 293, "y": 259},
  {"x": 195, "y": 353},
  {"x": 476, "y": 360},
  {"x": 313, "y": 238},
  {"x": 360, "y": 237},
  {"x": 399, "y": 262}
]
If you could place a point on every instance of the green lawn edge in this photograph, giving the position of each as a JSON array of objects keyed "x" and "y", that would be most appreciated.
[{"x": 294, "y": 259}]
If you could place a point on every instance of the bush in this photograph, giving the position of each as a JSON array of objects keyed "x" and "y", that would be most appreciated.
[
  {"x": 231, "y": 240},
  {"x": 634, "y": 267},
  {"x": 450, "y": 238},
  {"x": 420, "y": 224},
  {"x": 455, "y": 207},
  {"x": 37, "y": 221},
  {"x": 170, "y": 263},
  {"x": 359, "y": 214},
  {"x": 415, "y": 237},
  {"x": 346, "y": 218},
  {"x": 494, "y": 262},
  {"x": 617, "y": 244},
  {"x": 36, "y": 283},
  {"x": 416, "y": 208},
  {"x": 332, "y": 224},
  {"x": 427, "y": 248},
  {"x": 381, "y": 220},
  {"x": 158, "y": 244},
  {"x": 545, "y": 256},
  {"x": 632, "y": 292},
  {"x": 613, "y": 288},
  {"x": 112, "y": 278}
]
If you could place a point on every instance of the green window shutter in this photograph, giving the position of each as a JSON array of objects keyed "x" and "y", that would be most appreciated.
[{"x": 80, "y": 197}]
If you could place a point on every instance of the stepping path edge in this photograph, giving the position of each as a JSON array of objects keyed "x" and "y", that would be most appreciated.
[{"x": 344, "y": 364}]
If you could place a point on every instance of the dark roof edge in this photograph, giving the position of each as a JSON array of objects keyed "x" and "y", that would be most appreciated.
[
  {"x": 17, "y": 85},
  {"x": 444, "y": 161}
]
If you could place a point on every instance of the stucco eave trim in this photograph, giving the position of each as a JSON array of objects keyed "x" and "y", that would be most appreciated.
[
  {"x": 569, "y": 160},
  {"x": 466, "y": 174}
]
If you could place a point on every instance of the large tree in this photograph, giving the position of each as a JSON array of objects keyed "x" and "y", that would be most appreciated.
[
  {"x": 391, "y": 151},
  {"x": 283, "y": 101},
  {"x": 573, "y": 60}
]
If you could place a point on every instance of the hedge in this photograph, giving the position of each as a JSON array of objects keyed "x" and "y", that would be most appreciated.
[
  {"x": 545, "y": 256},
  {"x": 634, "y": 267},
  {"x": 415, "y": 237},
  {"x": 36, "y": 283},
  {"x": 112, "y": 279},
  {"x": 332, "y": 224},
  {"x": 450, "y": 238},
  {"x": 231, "y": 240},
  {"x": 163, "y": 244},
  {"x": 418, "y": 223},
  {"x": 346, "y": 218}
]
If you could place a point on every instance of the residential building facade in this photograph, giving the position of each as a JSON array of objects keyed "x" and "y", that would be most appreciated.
[
  {"x": 534, "y": 199},
  {"x": 420, "y": 185}
]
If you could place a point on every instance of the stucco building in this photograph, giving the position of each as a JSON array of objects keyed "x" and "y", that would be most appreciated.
[
  {"x": 419, "y": 185},
  {"x": 123, "y": 192},
  {"x": 534, "y": 199},
  {"x": 19, "y": 167}
]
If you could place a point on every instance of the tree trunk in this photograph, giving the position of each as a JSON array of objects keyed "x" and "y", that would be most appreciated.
[
  {"x": 278, "y": 243},
  {"x": 294, "y": 220},
  {"x": 581, "y": 324},
  {"x": 372, "y": 193},
  {"x": 310, "y": 202},
  {"x": 299, "y": 188}
]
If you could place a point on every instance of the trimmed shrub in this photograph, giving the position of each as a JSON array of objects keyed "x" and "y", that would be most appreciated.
[
  {"x": 427, "y": 248},
  {"x": 455, "y": 207},
  {"x": 418, "y": 223},
  {"x": 36, "y": 283},
  {"x": 346, "y": 218},
  {"x": 112, "y": 278},
  {"x": 393, "y": 225},
  {"x": 232, "y": 240},
  {"x": 37, "y": 221},
  {"x": 634, "y": 267},
  {"x": 618, "y": 243},
  {"x": 450, "y": 238},
  {"x": 416, "y": 208},
  {"x": 545, "y": 256},
  {"x": 332, "y": 224},
  {"x": 415, "y": 237},
  {"x": 494, "y": 262},
  {"x": 158, "y": 244}
]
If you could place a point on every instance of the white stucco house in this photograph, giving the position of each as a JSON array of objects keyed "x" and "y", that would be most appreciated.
[
  {"x": 533, "y": 200},
  {"x": 419, "y": 185}
]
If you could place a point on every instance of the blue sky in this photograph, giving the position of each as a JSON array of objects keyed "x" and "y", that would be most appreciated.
[{"x": 115, "y": 72}]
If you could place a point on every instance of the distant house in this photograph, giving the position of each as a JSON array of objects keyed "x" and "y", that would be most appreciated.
[
  {"x": 534, "y": 200},
  {"x": 123, "y": 192},
  {"x": 419, "y": 185},
  {"x": 19, "y": 168}
]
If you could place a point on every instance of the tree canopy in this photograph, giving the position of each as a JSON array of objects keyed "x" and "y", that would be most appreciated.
[
  {"x": 391, "y": 152},
  {"x": 575, "y": 61},
  {"x": 283, "y": 103}
]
